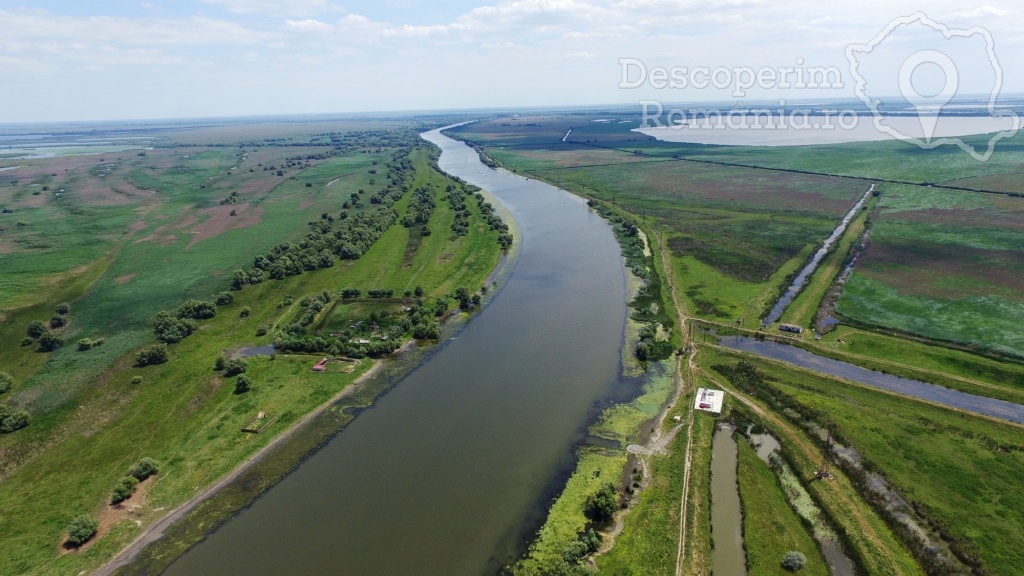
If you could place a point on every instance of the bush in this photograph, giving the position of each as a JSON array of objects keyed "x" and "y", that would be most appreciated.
[
  {"x": 197, "y": 309},
  {"x": 170, "y": 329},
  {"x": 63, "y": 308},
  {"x": 11, "y": 420},
  {"x": 218, "y": 364},
  {"x": 234, "y": 367},
  {"x": 151, "y": 356},
  {"x": 27, "y": 341},
  {"x": 89, "y": 343},
  {"x": 224, "y": 298},
  {"x": 602, "y": 504},
  {"x": 261, "y": 330},
  {"x": 242, "y": 384},
  {"x": 81, "y": 529},
  {"x": 794, "y": 560},
  {"x": 58, "y": 322},
  {"x": 136, "y": 379},
  {"x": 35, "y": 329},
  {"x": 244, "y": 312},
  {"x": 124, "y": 489},
  {"x": 6, "y": 381},
  {"x": 144, "y": 469},
  {"x": 50, "y": 342}
]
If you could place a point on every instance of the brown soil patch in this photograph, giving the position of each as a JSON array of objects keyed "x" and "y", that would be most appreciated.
[
  {"x": 219, "y": 220},
  {"x": 945, "y": 271},
  {"x": 123, "y": 279},
  {"x": 131, "y": 509},
  {"x": 306, "y": 203},
  {"x": 976, "y": 218},
  {"x": 165, "y": 235}
]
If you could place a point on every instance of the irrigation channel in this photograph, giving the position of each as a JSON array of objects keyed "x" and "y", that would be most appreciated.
[
  {"x": 798, "y": 283},
  {"x": 452, "y": 471},
  {"x": 915, "y": 388},
  {"x": 728, "y": 558}
]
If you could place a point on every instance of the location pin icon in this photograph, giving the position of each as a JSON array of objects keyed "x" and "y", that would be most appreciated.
[{"x": 928, "y": 107}]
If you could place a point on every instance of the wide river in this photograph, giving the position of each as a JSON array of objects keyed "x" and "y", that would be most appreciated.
[{"x": 450, "y": 472}]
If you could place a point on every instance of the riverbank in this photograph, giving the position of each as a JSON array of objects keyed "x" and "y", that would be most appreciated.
[{"x": 158, "y": 528}]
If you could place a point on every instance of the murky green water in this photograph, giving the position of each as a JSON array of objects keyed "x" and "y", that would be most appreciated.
[
  {"x": 450, "y": 472},
  {"x": 728, "y": 557}
]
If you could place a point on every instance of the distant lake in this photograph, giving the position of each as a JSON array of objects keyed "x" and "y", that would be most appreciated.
[{"x": 746, "y": 131}]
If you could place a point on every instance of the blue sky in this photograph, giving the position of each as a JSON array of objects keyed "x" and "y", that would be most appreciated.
[{"x": 81, "y": 60}]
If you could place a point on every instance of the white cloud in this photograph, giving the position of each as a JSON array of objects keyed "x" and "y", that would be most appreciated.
[
  {"x": 274, "y": 7},
  {"x": 308, "y": 25}
]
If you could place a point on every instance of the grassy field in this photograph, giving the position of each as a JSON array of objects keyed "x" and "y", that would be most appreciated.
[
  {"x": 944, "y": 265},
  {"x": 94, "y": 412},
  {"x": 940, "y": 461},
  {"x": 735, "y": 233},
  {"x": 770, "y": 527}
]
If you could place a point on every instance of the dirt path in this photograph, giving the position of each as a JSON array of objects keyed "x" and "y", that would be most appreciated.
[{"x": 154, "y": 531}]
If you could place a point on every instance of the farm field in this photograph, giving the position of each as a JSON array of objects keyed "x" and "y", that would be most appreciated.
[
  {"x": 944, "y": 265},
  {"x": 735, "y": 233},
  {"x": 202, "y": 214}
]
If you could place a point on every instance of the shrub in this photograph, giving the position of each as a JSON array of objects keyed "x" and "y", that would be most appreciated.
[
  {"x": 197, "y": 309},
  {"x": 244, "y": 312},
  {"x": 58, "y": 322},
  {"x": 12, "y": 420},
  {"x": 6, "y": 381},
  {"x": 136, "y": 379},
  {"x": 88, "y": 343},
  {"x": 170, "y": 329},
  {"x": 153, "y": 355},
  {"x": 49, "y": 342},
  {"x": 234, "y": 367},
  {"x": 63, "y": 308},
  {"x": 261, "y": 330},
  {"x": 144, "y": 469},
  {"x": 27, "y": 341},
  {"x": 35, "y": 329},
  {"x": 218, "y": 364},
  {"x": 794, "y": 560},
  {"x": 242, "y": 384},
  {"x": 602, "y": 504},
  {"x": 81, "y": 529},
  {"x": 124, "y": 489},
  {"x": 224, "y": 298}
]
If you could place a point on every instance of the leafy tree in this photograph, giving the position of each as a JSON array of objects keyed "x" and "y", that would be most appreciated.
[
  {"x": 81, "y": 529},
  {"x": 35, "y": 329},
  {"x": 49, "y": 342},
  {"x": 124, "y": 489},
  {"x": 58, "y": 322},
  {"x": 794, "y": 560},
  {"x": 170, "y": 329},
  {"x": 156, "y": 354},
  {"x": 602, "y": 504},
  {"x": 224, "y": 298},
  {"x": 218, "y": 364},
  {"x": 144, "y": 469},
  {"x": 197, "y": 309},
  {"x": 418, "y": 291},
  {"x": 63, "y": 308},
  {"x": 239, "y": 280},
  {"x": 427, "y": 330},
  {"x": 6, "y": 381},
  {"x": 242, "y": 384},
  {"x": 234, "y": 367},
  {"x": 11, "y": 420}
]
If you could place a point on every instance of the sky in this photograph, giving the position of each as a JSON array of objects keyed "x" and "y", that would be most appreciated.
[{"x": 86, "y": 60}]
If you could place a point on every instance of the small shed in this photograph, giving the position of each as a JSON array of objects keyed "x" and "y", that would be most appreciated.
[
  {"x": 791, "y": 328},
  {"x": 709, "y": 400}
]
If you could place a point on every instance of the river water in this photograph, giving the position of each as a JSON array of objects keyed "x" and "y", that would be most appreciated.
[{"x": 450, "y": 472}]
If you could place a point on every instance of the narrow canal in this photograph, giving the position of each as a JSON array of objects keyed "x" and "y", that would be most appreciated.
[{"x": 450, "y": 472}]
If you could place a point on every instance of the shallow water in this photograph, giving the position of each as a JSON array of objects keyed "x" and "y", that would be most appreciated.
[{"x": 728, "y": 557}]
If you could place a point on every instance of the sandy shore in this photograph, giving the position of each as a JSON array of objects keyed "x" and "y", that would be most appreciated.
[{"x": 154, "y": 531}]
